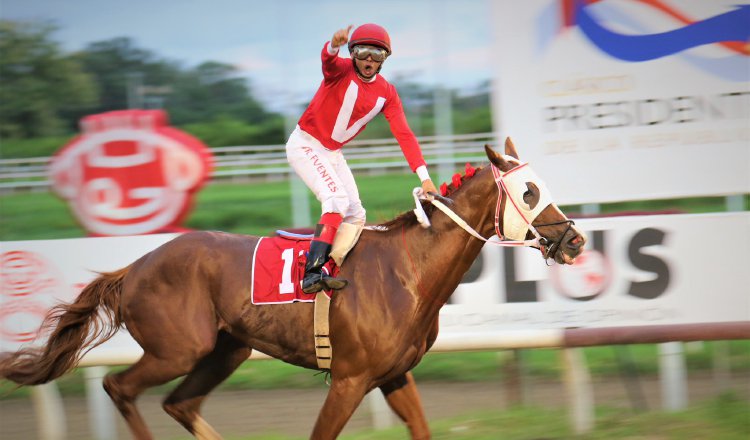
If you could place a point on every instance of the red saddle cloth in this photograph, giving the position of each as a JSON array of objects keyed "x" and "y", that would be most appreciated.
[{"x": 277, "y": 270}]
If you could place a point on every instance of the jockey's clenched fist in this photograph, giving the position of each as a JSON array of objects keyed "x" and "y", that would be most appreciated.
[
  {"x": 341, "y": 37},
  {"x": 429, "y": 187}
]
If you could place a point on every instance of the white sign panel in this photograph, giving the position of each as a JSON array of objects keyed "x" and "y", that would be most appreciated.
[
  {"x": 645, "y": 270},
  {"x": 36, "y": 275},
  {"x": 624, "y": 99},
  {"x": 665, "y": 269}
]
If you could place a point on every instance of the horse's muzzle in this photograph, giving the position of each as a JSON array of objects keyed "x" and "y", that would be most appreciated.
[{"x": 570, "y": 246}]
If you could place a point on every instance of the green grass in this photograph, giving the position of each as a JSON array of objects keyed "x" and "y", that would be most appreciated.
[
  {"x": 251, "y": 208},
  {"x": 725, "y": 418},
  {"x": 459, "y": 367},
  {"x": 36, "y": 216},
  {"x": 260, "y": 208}
]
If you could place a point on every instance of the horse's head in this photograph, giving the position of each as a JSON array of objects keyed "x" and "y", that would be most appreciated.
[{"x": 525, "y": 209}]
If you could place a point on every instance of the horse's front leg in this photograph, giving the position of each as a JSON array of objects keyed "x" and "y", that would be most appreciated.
[
  {"x": 343, "y": 398},
  {"x": 403, "y": 398}
]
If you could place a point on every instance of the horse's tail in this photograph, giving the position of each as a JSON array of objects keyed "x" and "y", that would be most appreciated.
[{"x": 92, "y": 319}]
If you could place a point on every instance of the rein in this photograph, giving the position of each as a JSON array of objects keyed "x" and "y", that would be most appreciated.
[{"x": 537, "y": 242}]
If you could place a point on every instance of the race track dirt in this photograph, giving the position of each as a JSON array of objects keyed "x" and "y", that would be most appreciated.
[{"x": 293, "y": 412}]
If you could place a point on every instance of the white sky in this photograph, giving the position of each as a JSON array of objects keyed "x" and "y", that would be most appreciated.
[{"x": 277, "y": 43}]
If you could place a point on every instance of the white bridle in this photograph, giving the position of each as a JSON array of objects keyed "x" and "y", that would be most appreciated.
[{"x": 516, "y": 221}]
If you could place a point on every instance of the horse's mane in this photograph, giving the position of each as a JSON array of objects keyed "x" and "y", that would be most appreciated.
[{"x": 409, "y": 219}]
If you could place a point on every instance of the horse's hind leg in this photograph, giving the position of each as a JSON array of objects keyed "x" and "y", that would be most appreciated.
[
  {"x": 169, "y": 352},
  {"x": 124, "y": 387},
  {"x": 403, "y": 398},
  {"x": 183, "y": 404}
]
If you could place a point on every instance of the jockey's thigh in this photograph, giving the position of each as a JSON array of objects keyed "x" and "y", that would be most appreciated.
[
  {"x": 313, "y": 164},
  {"x": 355, "y": 214}
]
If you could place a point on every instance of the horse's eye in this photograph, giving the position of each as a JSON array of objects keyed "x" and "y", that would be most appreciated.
[
  {"x": 532, "y": 194},
  {"x": 527, "y": 196}
]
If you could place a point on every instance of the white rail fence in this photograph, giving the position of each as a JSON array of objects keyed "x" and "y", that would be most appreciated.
[{"x": 264, "y": 161}]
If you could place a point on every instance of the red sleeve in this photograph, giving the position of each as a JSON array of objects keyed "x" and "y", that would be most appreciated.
[
  {"x": 394, "y": 113},
  {"x": 333, "y": 65}
]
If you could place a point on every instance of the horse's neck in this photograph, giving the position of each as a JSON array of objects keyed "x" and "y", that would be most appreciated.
[{"x": 445, "y": 252}]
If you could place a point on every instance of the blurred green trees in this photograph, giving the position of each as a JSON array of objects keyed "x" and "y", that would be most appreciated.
[
  {"x": 44, "y": 92},
  {"x": 119, "y": 69},
  {"x": 40, "y": 85}
]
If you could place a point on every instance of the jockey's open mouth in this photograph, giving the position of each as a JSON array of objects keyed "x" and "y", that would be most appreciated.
[{"x": 369, "y": 68}]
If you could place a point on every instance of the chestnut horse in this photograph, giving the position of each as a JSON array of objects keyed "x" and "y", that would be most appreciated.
[{"x": 187, "y": 304}]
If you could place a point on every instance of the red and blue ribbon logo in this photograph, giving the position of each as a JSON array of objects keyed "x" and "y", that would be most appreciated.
[
  {"x": 627, "y": 36},
  {"x": 729, "y": 27}
]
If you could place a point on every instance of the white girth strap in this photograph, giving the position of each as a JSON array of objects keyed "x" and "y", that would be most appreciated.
[{"x": 323, "y": 350}]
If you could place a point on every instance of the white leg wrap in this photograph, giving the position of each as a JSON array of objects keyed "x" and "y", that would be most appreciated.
[{"x": 345, "y": 239}]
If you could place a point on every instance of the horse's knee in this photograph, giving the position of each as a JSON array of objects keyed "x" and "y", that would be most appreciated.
[
  {"x": 182, "y": 411},
  {"x": 395, "y": 384}
]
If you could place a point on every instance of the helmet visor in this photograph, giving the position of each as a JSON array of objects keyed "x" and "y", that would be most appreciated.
[{"x": 361, "y": 52}]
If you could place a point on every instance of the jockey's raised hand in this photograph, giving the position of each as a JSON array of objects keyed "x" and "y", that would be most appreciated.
[
  {"x": 429, "y": 187},
  {"x": 340, "y": 37}
]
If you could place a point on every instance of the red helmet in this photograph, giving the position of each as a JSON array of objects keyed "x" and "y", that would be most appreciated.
[{"x": 372, "y": 34}]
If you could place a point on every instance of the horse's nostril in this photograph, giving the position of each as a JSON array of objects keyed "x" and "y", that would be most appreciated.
[{"x": 575, "y": 242}]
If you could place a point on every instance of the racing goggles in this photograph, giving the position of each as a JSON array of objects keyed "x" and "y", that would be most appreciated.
[{"x": 361, "y": 52}]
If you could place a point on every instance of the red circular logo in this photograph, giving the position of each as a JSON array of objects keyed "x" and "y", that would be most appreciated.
[
  {"x": 586, "y": 279},
  {"x": 22, "y": 273},
  {"x": 20, "y": 320},
  {"x": 130, "y": 173}
]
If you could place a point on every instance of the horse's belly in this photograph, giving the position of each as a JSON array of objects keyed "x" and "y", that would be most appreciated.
[{"x": 282, "y": 331}]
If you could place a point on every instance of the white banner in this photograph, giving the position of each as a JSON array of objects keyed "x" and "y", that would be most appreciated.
[
  {"x": 662, "y": 269},
  {"x": 36, "y": 275},
  {"x": 623, "y": 100},
  {"x": 644, "y": 270}
]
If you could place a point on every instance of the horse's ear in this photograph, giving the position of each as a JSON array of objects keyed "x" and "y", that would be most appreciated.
[
  {"x": 510, "y": 149},
  {"x": 496, "y": 158}
]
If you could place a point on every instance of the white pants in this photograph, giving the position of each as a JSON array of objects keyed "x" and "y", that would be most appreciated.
[{"x": 327, "y": 174}]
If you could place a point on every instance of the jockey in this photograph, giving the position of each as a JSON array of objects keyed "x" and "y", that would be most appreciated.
[{"x": 350, "y": 95}]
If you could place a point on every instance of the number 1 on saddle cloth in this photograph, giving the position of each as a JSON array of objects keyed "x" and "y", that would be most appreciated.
[{"x": 278, "y": 265}]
